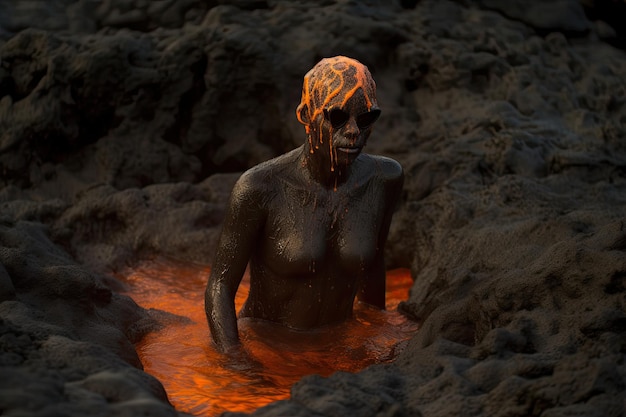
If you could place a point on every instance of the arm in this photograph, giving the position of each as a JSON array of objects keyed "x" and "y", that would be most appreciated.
[
  {"x": 372, "y": 289},
  {"x": 240, "y": 231}
]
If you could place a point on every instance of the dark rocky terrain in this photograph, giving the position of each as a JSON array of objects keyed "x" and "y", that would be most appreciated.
[{"x": 124, "y": 123}]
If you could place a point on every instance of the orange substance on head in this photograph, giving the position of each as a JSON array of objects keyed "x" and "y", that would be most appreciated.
[
  {"x": 200, "y": 381},
  {"x": 331, "y": 83}
]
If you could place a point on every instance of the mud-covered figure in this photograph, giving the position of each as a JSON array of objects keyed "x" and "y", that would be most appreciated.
[{"x": 313, "y": 222}]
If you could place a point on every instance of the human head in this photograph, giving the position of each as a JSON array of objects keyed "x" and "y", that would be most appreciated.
[{"x": 329, "y": 85}]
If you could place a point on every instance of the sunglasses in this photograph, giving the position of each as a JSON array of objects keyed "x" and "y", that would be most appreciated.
[{"x": 338, "y": 118}]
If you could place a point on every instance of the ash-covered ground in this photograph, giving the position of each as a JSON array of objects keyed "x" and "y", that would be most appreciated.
[{"x": 124, "y": 124}]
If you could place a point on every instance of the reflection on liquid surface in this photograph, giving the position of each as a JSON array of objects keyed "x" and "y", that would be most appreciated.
[{"x": 200, "y": 381}]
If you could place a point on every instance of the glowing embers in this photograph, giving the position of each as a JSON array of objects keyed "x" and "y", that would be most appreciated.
[{"x": 200, "y": 381}]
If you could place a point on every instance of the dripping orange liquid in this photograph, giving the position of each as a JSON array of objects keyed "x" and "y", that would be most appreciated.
[{"x": 202, "y": 382}]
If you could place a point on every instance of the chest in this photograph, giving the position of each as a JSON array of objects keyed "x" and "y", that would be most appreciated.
[{"x": 306, "y": 231}]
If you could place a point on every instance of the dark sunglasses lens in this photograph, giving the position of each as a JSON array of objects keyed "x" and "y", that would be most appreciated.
[
  {"x": 365, "y": 120},
  {"x": 337, "y": 118}
]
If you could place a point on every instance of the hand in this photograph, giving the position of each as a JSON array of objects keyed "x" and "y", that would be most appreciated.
[{"x": 237, "y": 358}]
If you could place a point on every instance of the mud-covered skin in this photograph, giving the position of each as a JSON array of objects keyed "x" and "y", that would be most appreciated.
[{"x": 312, "y": 222}]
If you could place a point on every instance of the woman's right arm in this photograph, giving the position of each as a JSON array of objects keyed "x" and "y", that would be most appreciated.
[{"x": 241, "y": 230}]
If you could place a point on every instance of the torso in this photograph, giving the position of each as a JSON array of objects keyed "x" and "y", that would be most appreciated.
[{"x": 317, "y": 244}]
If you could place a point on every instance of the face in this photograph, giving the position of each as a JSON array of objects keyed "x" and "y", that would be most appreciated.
[
  {"x": 346, "y": 128},
  {"x": 338, "y": 109}
]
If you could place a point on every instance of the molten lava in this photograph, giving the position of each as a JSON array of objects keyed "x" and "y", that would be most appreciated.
[{"x": 200, "y": 381}]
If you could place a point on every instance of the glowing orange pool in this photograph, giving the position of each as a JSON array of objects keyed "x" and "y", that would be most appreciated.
[{"x": 200, "y": 381}]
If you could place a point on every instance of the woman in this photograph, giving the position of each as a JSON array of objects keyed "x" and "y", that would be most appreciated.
[{"x": 313, "y": 222}]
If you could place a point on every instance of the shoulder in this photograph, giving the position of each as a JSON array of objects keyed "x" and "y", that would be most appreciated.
[
  {"x": 389, "y": 177},
  {"x": 386, "y": 175},
  {"x": 386, "y": 169},
  {"x": 260, "y": 181}
]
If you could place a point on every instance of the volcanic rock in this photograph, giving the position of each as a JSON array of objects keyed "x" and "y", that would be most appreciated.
[{"x": 124, "y": 124}]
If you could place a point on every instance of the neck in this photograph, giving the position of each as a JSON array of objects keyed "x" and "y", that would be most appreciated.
[{"x": 319, "y": 169}]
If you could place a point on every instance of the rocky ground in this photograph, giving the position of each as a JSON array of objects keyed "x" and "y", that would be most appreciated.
[{"x": 124, "y": 123}]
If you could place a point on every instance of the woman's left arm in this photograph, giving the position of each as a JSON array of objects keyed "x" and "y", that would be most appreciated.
[{"x": 372, "y": 288}]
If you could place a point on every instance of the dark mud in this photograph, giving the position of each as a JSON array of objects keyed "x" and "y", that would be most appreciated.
[{"x": 123, "y": 125}]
